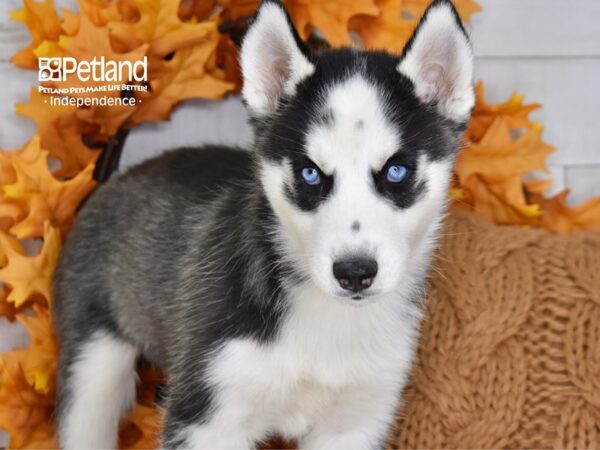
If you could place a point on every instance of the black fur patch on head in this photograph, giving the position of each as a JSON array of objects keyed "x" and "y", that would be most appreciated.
[{"x": 284, "y": 133}]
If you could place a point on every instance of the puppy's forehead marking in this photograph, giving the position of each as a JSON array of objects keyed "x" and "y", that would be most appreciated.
[{"x": 352, "y": 127}]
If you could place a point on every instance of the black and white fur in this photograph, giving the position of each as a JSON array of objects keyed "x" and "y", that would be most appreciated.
[{"x": 215, "y": 264}]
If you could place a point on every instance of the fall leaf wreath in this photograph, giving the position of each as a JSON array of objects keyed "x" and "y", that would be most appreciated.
[{"x": 190, "y": 46}]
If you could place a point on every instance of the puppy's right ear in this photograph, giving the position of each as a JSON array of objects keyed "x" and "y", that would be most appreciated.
[{"x": 273, "y": 59}]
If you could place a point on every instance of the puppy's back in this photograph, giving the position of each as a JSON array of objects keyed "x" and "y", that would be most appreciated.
[{"x": 121, "y": 265}]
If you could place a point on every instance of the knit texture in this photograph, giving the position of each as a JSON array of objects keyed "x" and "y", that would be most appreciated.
[{"x": 510, "y": 349}]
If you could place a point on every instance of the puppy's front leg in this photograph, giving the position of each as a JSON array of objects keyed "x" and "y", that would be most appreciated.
[
  {"x": 198, "y": 419},
  {"x": 211, "y": 435},
  {"x": 359, "y": 419}
]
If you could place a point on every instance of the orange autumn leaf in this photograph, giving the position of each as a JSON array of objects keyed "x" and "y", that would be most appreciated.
[
  {"x": 498, "y": 155},
  {"x": 94, "y": 42},
  {"x": 587, "y": 215},
  {"x": 227, "y": 57},
  {"x": 50, "y": 49},
  {"x": 28, "y": 276},
  {"x": 64, "y": 141},
  {"x": 10, "y": 213},
  {"x": 238, "y": 9},
  {"x": 198, "y": 9},
  {"x": 491, "y": 172},
  {"x": 491, "y": 168},
  {"x": 70, "y": 23},
  {"x": 60, "y": 133},
  {"x": 40, "y": 364},
  {"x": 8, "y": 309},
  {"x": 101, "y": 12},
  {"x": 513, "y": 111},
  {"x": 43, "y": 24},
  {"x": 388, "y": 30},
  {"x": 38, "y": 109},
  {"x": 7, "y": 172},
  {"x": 109, "y": 119},
  {"x": 38, "y": 361},
  {"x": 537, "y": 186},
  {"x": 330, "y": 17},
  {"x": 465, "y": 8},
  {"x": 185, "y": 78},
  {"x": 44, "y": 197},
  {"x": 394, "y": 25},
  {"x": 24, "y": 413},
  {"x": 9, "y": 245},
  {"x": 501, "y": 201},
  {"x": 559, "y": 216},
  {"x": 160, "y": 26}
]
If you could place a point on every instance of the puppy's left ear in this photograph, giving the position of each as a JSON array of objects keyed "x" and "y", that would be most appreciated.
[
  {"x": 438, "y": 59},
  {"x": 273, "y": 59}
]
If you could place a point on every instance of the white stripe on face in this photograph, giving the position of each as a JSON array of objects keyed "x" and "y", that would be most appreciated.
[{"x": 357, "y": 134}]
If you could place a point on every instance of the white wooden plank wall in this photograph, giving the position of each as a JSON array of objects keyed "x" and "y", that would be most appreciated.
[
  {"x": 550, "y": 51},
  {"x": 547, "y": 49}
]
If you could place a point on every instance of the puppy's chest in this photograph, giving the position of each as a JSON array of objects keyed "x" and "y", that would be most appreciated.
[
  {"x": 336, "y": 350},
  {"x": 322, "y": 347}
]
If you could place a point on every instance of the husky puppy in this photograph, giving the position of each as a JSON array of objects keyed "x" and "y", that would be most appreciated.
[{"x": 279, "y": 289}]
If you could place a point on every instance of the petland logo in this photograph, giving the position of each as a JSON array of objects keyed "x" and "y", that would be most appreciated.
[
  {"x": 58, "y": 69},
  {"x": 100, "y": 73}
]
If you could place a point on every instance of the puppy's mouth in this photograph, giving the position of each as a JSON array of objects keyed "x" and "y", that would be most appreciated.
[{"x": 356, "y": 297}]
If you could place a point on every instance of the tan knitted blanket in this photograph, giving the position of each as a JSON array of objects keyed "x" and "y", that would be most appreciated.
[{"x": 510, "y": 353}]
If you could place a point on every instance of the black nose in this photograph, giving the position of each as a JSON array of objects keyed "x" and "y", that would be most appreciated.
[{"x": 355, "y": 274}]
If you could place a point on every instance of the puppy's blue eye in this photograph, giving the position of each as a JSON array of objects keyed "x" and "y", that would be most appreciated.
[
  {"x": 310, "y": 175},
  {"x": 396, "y": 173}
]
